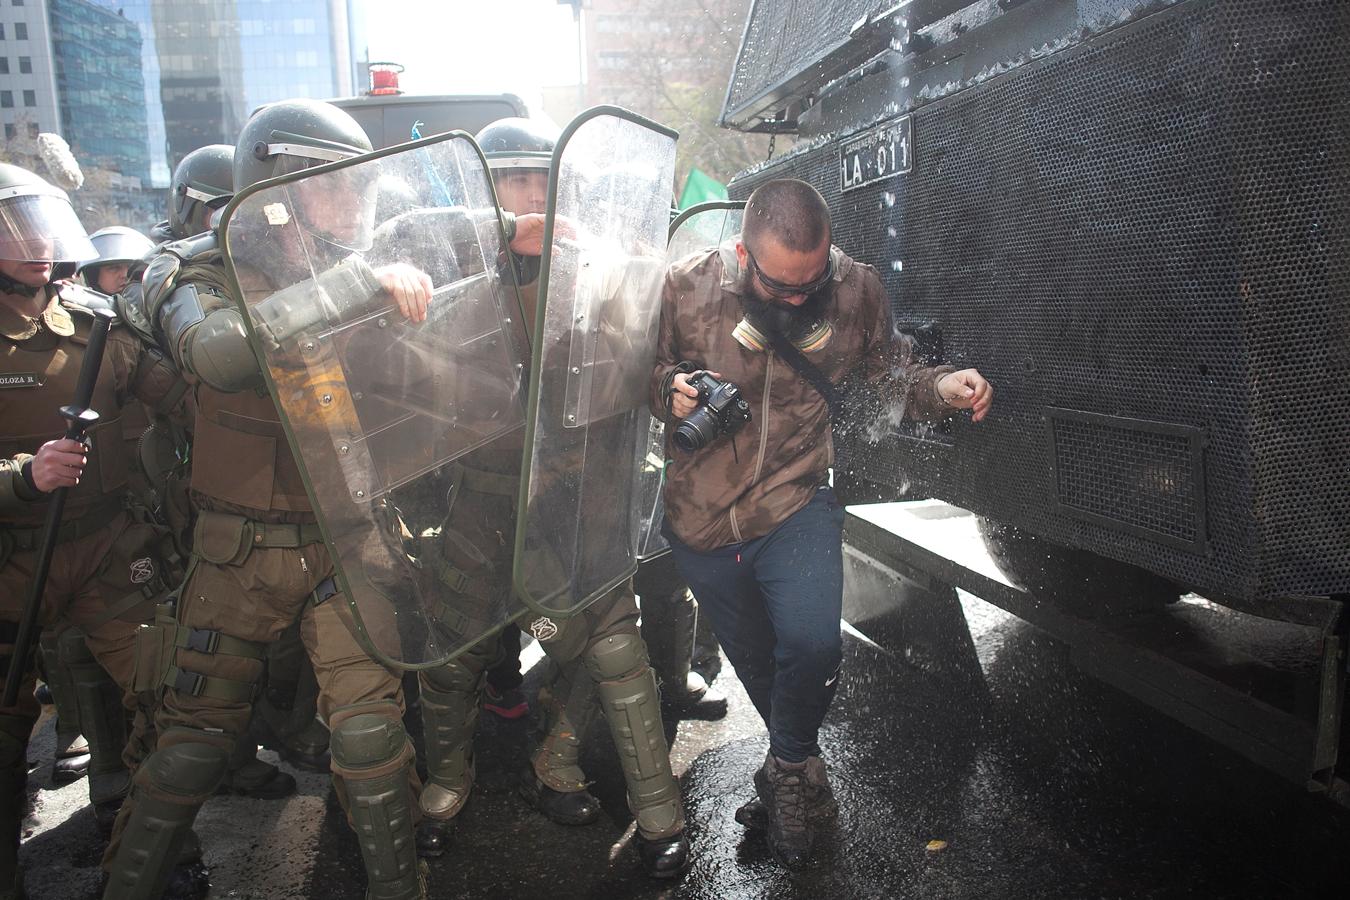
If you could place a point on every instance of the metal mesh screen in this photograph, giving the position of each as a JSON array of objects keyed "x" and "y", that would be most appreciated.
[
  {"x": 1126, "y": 472},
  {"x": 1151, "y": 224},
  {"x": 785, "y": 37}
]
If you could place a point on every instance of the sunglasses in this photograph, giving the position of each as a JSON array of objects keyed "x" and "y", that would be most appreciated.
[{"x": 777, "y": 288}]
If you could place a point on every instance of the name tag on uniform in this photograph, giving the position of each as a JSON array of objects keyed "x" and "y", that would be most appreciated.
[{"x": 19, "y": 380}]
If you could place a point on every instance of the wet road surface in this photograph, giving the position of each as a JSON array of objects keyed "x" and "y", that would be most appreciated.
[{"x": 1045, "y": 784}]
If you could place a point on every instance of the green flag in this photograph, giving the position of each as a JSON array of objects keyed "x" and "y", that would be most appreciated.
[{"x": 700, "y": 188}]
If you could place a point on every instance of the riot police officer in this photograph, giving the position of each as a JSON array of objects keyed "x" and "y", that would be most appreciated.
[
  {"x": 597, "y": 651},
  {"x": 258, "y": 565},
  {"x": 107, "y": 572},
  {"x": 119, "y": 249}
]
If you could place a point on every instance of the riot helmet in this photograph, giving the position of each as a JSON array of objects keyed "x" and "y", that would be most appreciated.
[
  {"x": 39, "y": 232},
  {"x": 518, "y": 152},
  {"x": 202, "y": 183},
  {"x": 37, "y": 222},
  {"x": 119, "y": 248},
  {"x": 293, "y": 135}
]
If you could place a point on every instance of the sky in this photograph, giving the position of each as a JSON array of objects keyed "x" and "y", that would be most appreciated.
[{"x": 475, "y": 46}]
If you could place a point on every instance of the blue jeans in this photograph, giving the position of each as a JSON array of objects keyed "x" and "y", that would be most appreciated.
[{"x": 775, "y": 603}]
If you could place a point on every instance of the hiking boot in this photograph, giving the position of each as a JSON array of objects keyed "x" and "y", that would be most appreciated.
[
  {"x": 783, "y": 789},
  {"x": 508, "y": 704},
  {"x": 821, "y": 807},
  {"x": 258, "y": 780},
  {"x": 564, "y": 807},
  {"x": 663, "y": 857}
]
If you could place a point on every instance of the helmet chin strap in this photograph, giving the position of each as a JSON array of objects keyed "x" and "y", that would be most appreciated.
[{"x": 10, "y": 286}]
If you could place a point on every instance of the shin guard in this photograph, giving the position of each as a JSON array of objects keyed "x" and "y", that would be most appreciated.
[
  {"x": 103, "y": 718},
  {"x": 168, "y": 790},
  {"x": 372, "y": 756},
  {"x": 628, "y": 696},
  {"x": 569, "y": 705}
]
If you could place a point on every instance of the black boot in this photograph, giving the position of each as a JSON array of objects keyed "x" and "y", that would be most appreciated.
[
  {"x": 697, "y": 700},
  {"x": 663, "y": 857},
  {"x": 565, "y": 808},
  {"x": 433, "y": 837}
]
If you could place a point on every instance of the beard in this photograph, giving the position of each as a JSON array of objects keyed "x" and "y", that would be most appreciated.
[{"x": 774, "y": 317}]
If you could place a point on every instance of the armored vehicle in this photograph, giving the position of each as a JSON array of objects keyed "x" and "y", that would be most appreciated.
[{"x": 1131, "y": 216}]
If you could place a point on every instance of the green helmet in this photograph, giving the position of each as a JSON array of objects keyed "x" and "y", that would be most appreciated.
[
  {"x": 293, "y": 135},
  {"x": 202, "y": 183},
  {"x": 117, "y": 244},
  {"x": 37, "y": 222},
  {"x": 516, "y": 143}
]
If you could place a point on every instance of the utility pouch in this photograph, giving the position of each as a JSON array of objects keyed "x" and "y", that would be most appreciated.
[
  {"x": 155, "y": 649},
  {"x": 134, "y": 576},
  {"x": 222, "y": 538}
]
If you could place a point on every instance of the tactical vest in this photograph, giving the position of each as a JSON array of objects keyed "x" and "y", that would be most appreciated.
[
  {"x": 37, "y": 377},
  {"x": 240, "y": 454},
  {"x": 239, "y": 450}
]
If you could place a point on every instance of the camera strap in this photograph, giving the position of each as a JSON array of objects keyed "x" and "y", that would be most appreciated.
[{"x": 807, "y": 369}]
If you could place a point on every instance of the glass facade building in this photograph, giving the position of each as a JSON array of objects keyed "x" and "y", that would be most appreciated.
[
  {"x": 209, "y": 63},
  {"x": 99, "y": 86}
]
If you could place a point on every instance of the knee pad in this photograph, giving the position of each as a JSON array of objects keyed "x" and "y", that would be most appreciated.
[
  {"x": 461, "y": 675},
  {"x": 617, "y": 657},
  {"x": 188, "y": 769},
  {"x": 368, "y": 744}
]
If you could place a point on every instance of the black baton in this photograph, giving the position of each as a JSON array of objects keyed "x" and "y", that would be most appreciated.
[{"x": 80, "y": 417}]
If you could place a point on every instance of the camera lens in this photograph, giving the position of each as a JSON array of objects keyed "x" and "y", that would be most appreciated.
[{"x": 695, "y": 431}]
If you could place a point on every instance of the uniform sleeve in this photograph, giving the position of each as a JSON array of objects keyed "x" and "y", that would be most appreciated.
[
  {"x": 889, "y": 360},
  {"x": 15, "y": 494},
  {"x": 144, "y": 374}
]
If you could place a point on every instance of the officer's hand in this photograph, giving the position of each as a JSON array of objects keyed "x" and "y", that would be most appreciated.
[
  {"x": 684, "y": 396},
  {"x": 529, "y": 239},
  {"x": 967, "y": 389},
  {"x": 409, "y": 286},
  {"x": 58, "y": 464}
]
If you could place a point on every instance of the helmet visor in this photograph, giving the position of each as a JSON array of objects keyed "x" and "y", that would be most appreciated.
[
  {"x": 42, "y": 227},
  {"x": 339, "y": 207}
]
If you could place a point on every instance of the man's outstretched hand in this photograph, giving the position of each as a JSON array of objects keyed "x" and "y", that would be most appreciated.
[{"x": 967, "y": 389}]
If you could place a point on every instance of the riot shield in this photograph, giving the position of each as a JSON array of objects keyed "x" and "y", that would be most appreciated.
[
  {"x": 377, "y": 406},
  {"x": 700, "y": 227},
  {"x": 594, "y": 344}
]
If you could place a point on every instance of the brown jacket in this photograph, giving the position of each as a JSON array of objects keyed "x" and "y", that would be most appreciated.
[{"x": 740, "y": 488}]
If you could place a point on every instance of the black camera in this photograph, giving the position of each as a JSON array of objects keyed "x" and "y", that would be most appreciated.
[{"x": 721, "y": 410}]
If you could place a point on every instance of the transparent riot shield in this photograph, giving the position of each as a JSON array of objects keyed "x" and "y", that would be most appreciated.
[
  {"x": 377, "y": 403},
  {"x": 594, "y": 344},
  {"x": 697, "y": 228}
]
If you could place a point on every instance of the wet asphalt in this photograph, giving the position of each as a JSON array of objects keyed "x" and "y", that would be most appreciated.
[{"x": 1021, "y": 778}]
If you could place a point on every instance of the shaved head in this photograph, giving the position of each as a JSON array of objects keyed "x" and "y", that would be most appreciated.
[{"x": 788, "y": 211}]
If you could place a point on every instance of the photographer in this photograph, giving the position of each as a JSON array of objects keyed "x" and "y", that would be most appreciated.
[{"x": 753, "y": 335}]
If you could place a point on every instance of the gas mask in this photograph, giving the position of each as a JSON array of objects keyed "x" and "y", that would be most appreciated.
[{"x": 804, "y": 326}]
